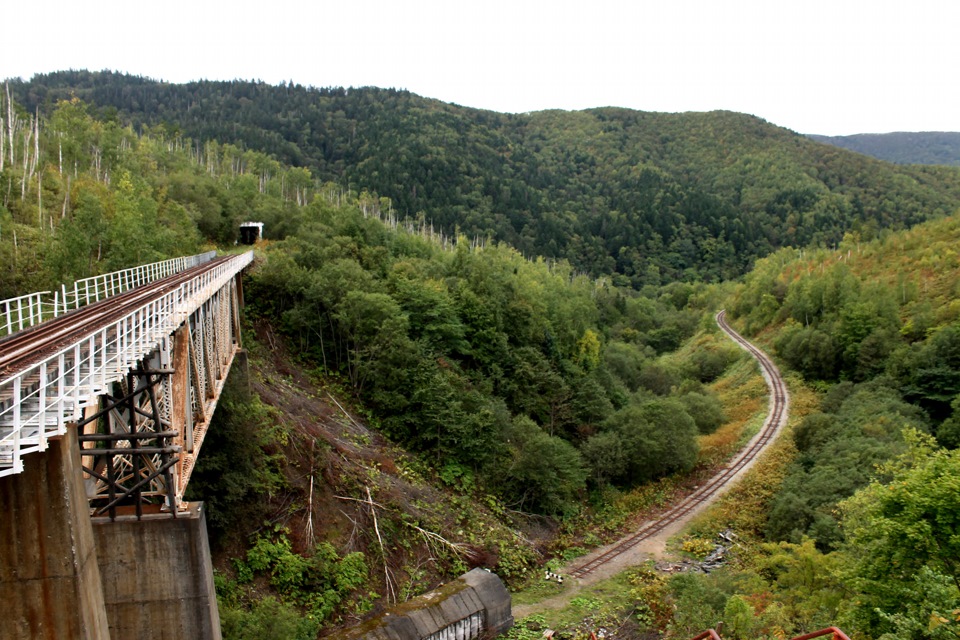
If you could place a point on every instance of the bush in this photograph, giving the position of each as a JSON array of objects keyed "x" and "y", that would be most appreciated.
[
  {"x": 268, "y": 619},
  {"x": 545, "y": 471},
  {"x": 706, "y": 411},
  {"x": 319, "y": 582},
  {"x": 644, "y": 442}
]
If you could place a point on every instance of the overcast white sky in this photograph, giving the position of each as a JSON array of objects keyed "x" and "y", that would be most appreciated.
[{"x": 833, "y": 67}]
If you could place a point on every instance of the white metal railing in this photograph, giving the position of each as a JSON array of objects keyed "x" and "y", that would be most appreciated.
[
  {"x": 38, "y": 402},
  {"x": 89, "y": 290},
  {"x": 26, "y": 311},
  {"x": 22, "y": 312}
]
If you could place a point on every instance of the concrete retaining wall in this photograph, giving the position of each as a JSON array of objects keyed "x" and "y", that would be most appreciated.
[{"x": 475, "y": 605}]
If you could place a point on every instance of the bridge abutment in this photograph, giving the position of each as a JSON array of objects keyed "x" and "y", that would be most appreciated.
[
  {"x": 157, "y": 576},
  {"x": 49, "y": 577},
  {"x": 148, "y": 391}
]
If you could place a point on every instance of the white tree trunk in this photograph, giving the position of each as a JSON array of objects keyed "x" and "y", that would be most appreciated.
[
  {"x": 66, "y": 199},
  {"x": 10, "y": 121},
  {"x": 36, "y": 141},
  {"x": 26, "y": 162}
]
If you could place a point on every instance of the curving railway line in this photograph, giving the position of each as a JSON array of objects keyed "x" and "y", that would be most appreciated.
[
  {"x": 776, "y": 418},
  {"x": 24, "y": 348}
]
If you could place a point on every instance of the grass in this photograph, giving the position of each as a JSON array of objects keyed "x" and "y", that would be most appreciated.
[
  {"x": 602, "y": 603},
  {"x": 744, "y": 507},
  {"x": 743, "y": 394},
  {"x": 538, "y": 590}
]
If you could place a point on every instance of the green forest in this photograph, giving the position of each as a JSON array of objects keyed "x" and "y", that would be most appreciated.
[
  {"x": 927, "y": 147},
  {"x": 493, "y": 337},
  {"x": 648, "y": 198}
]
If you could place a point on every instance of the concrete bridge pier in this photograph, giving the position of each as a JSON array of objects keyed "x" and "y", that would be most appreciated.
[
  {"x": 65, "y": 575},
  {"x": 49, "y": 577},
  {"x": 157, "y": 576}
]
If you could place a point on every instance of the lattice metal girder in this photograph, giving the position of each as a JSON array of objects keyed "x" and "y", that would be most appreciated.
[{"x": 36, "y": 403}]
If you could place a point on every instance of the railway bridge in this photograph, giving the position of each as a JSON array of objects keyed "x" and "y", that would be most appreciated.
[{"x": 107, "y": 388}]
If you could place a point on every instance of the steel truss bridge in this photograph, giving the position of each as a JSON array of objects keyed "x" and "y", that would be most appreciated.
[{"x": 137, "y": 360}]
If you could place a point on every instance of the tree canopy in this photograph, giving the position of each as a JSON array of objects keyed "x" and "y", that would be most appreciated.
[{"x": 652, "y": 197}]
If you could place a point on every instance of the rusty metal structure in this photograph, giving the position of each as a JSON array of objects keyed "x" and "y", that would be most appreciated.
[{"x": 136, "y": 359}]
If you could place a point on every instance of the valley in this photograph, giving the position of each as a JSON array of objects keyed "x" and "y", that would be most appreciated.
[{"x": 490, "y": 340}]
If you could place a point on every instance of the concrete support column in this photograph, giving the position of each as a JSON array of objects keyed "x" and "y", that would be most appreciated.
[
  {"x": 158, "y": 576},
  {"x": 49, "y": 578}
]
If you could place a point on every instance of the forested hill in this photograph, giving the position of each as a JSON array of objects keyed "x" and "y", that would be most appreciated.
[
  {"x": 927, "y": 147},
  {"x": 653, "y": 197}
]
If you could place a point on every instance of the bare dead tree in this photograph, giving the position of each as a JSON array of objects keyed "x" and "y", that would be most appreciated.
[
  {"x": 10, "y": 121},
  {"x": 388, "y": 582},
  {"x": 36, "y": 143},
  {"x": 27, "y": 134},
  {"x": 66, "y": 199},
  {"x": 3, "y": 136},
  {"x": 96, "y": 161}
]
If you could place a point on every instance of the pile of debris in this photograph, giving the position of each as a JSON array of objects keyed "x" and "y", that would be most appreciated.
[{"x": 726, "y": 540}]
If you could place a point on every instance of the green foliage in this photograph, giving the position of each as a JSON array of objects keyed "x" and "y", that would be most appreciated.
[
  {"x": 838, "y": 455},
  {"x": 931, "y": 147},
  {"x": 457, "y": 475},
  {"x": 738, "y": 618},
  {"x": 268, "y": 619},
  {"x": 241, "y": 463},
  {"x": 709, "y": 361},
  {"x": 625, "y": 361},
  {"x": 705, "y": 409},
  {"x": 805, "y": 582},
  {"x": 656, "y": 198},
  {"x": 660, "y": 378},
  {"x": 808, "y": 350},
  {"x": 588, "y": 351},
  {"x": 699, "y": 604},
  {"x": 89, "y": 196},
  {"x": 948, "y": 433},
  {"x": 931, "y": 373},
  {"x": 490, "y": 363},
  {"x": 528, "y": 628},
  {"x": 545, "y": 472},
  {"x": 524, "y": 377},
  {"x": 319, "y": 582},
  {"x": 902, "y": 545},
  {"x": 643, "y": 442}
]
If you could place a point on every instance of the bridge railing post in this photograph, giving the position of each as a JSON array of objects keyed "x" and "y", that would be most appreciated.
[{"x": 67, "y": 381}]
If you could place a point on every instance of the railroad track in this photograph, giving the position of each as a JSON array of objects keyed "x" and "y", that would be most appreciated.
[
  {"x": 24, "y": 348},
  {"x": 776, "y": 418},
  {"x": 50, "y": 372}
]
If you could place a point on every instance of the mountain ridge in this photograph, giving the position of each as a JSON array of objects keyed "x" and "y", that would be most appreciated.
[
  {"x": 902, "y": 147},
  {"x": 652, "y": 197}
]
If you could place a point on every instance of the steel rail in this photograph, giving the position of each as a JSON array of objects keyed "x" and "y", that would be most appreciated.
[
  {"x": 776, "y": 418},
  {"x": 51, "y": 372}
]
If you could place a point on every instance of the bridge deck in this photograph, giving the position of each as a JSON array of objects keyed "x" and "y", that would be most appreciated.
[{"x": 51, "y": 372}]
